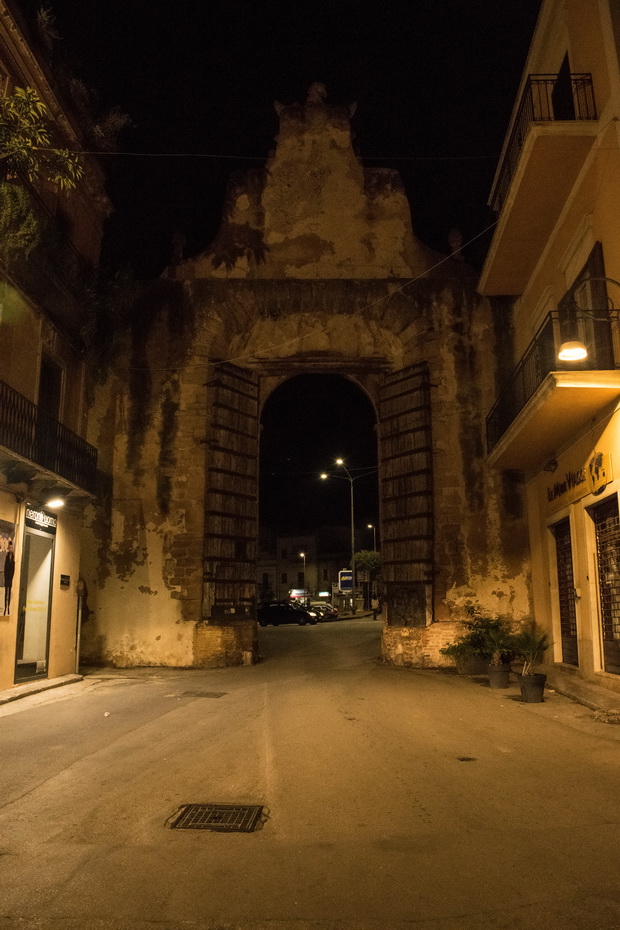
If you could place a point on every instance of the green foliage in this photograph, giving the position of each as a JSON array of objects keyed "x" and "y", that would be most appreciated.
[
  {"x": 25, "y": 143},
  {"x": 20, "y": 229},
  {"x": 531, "y": 643},
  {"x": 488, "y": 638},
  {"x": 367, "y": 560}
]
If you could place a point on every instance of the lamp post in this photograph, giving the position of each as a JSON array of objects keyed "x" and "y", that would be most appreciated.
[
  {"x": 302, "y": 555},
  {"x": 372, "y": 527},
  {"x": 350, "y": 479}
]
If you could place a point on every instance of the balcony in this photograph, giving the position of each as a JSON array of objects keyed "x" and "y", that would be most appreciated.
[
  {"x": 33, "y": 444},
  {"x": 545, "y": 402},
  {"x": 552, "y": 133}
]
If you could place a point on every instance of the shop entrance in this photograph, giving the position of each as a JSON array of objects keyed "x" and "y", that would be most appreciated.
[{"x": 35, "y": 590}]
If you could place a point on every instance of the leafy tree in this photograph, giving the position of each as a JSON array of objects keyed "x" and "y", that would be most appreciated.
[
  {"x": 26, "y": 153},
  {"x": 25, "y": 143},
  {"x": 367, "y": 560}
]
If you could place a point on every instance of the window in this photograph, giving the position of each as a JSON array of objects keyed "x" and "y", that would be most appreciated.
[
  {"x": 284, "y": 554},
  {"x": 325, "y": 574},
  {"x": 284, "y": 578},
  {"x": 300, "y": 580}
]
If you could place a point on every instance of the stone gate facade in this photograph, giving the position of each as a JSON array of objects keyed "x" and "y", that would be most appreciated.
[{"x": 315, "y": 268}]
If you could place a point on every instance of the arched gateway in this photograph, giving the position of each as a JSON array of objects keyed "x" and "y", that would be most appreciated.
[{"x": 315, "y": 269}]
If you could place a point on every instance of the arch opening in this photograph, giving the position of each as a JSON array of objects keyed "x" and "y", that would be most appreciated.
[{"x": 308, "y": 527}]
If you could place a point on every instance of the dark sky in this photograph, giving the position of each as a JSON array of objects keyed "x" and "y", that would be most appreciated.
[{"x": 434, "y": 80}]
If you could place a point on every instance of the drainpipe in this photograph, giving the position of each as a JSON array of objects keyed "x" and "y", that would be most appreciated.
[{"x": 81, "y": 591}]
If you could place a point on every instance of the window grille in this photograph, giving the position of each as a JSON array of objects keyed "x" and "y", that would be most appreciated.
[
  {"x": 607, "y": 530},
  {"x": 566, "y": 592}
]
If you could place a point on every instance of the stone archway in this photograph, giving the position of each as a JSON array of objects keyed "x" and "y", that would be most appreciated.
[{"x": 315, "y": 269}]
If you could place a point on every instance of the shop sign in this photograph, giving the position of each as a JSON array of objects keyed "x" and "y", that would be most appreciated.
[
  {"x": 41, "y": 520},
  {"x": 573, "y": 485}
]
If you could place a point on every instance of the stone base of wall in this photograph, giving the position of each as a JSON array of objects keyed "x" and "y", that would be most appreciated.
[
  {"x": 418, "y": 647},
  {"x": 230, "y": 644}
]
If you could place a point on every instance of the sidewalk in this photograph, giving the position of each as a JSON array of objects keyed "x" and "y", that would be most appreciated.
[{"x": 34, "y": 687}]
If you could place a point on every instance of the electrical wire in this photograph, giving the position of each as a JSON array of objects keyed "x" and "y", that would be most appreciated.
[{"x": 315, "y": 332}]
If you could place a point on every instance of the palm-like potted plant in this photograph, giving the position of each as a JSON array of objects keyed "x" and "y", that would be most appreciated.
[
  {"x": 501, "y": 644},
  {"x": 472, "y": 650},
  {"x": 531, "y": 643}
]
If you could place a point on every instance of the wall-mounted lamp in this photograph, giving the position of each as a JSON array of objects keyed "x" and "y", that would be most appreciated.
[
  {"x": 572, "y": 348},
  {"x": 551, "y": 465},
  {"x": 572, "y": 351},
  {"x": 55, "y": 503}
]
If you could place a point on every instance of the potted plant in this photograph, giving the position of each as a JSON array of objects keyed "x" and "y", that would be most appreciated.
[
  {"x": 501, "y": 644},
  {"x": 531, "y": 643},
  {"x": 471, "y": 651}
]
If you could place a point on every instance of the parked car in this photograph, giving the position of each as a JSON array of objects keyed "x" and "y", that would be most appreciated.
[
  {"x": 324, "y": 610},
  {"x": 285, "y": 612}
]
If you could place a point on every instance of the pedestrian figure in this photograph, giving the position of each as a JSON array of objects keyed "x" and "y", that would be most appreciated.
[
  {"x": 376, "y": 607},
  {"x": 9, "y": 571}
]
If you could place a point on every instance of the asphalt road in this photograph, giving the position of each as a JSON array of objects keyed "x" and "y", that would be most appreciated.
[{"x": 393, "y": 799}]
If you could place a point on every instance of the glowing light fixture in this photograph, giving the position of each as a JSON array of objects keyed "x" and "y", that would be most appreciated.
[
  {"x": 55, "y": 503},
  {"x": 572, "y": 351}
]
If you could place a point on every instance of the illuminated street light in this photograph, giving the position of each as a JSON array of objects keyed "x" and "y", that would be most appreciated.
[
  {"x": 372, "y": 527},
  {"x": 302, "y": 555},
  {"x": 350, "y": 478}
]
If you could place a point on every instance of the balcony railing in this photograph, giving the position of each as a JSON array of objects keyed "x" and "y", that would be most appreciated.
[
  {"x": 34, "y": 435},
  {"x": 546, "y": 98},
  {"x": 603, "y": 344}
]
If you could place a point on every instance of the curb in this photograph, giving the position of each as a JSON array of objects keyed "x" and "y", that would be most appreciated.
[{"x": 35, "y": 687}]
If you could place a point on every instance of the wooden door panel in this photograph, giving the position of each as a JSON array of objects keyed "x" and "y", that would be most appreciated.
[
  {"x": 231, "y": 518},
  {"x": 406, "y": 491}
]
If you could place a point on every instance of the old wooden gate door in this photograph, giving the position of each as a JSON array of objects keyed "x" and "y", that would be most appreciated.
[{"x": 406, "y": 495}]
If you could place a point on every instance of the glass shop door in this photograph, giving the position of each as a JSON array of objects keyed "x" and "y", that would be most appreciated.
[{"x": 34, "y": 609}]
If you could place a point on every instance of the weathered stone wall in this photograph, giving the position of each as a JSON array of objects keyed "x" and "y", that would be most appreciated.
[{"x": 315, "y": 269}]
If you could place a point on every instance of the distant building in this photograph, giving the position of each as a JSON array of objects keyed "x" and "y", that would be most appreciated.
[
  {"x": 43, "y": 452},
  {"x": 554, "y": 269},
  {"x": 281, "y": 568}
]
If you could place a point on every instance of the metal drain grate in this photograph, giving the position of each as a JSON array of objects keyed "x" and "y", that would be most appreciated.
[{"x": 226, "y": 818}]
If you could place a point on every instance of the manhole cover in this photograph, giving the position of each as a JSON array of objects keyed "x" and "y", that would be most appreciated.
[
  {"x": 205, "y": 694},
  {"x": 227, "y": 818}
]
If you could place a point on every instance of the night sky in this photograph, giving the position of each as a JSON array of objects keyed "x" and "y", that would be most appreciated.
[{"x": 434, "y": 82}]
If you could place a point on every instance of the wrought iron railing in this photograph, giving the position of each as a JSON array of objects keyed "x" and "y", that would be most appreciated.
[
  {"x": 603, "y": 343},
  {"x": 34, "y": 435},
  {"x": 542, "y": 102}
]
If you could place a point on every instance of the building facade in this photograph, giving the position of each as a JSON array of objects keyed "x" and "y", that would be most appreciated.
[
  {"x": 44, "y": 456},
  {"x": 555, "y": 261}
]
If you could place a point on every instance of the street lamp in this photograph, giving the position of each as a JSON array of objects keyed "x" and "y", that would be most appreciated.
[
  {"x": 372, "y": 527},
  {"x": 302, "y": 555},
  {"x": 350, "y": 479}
]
